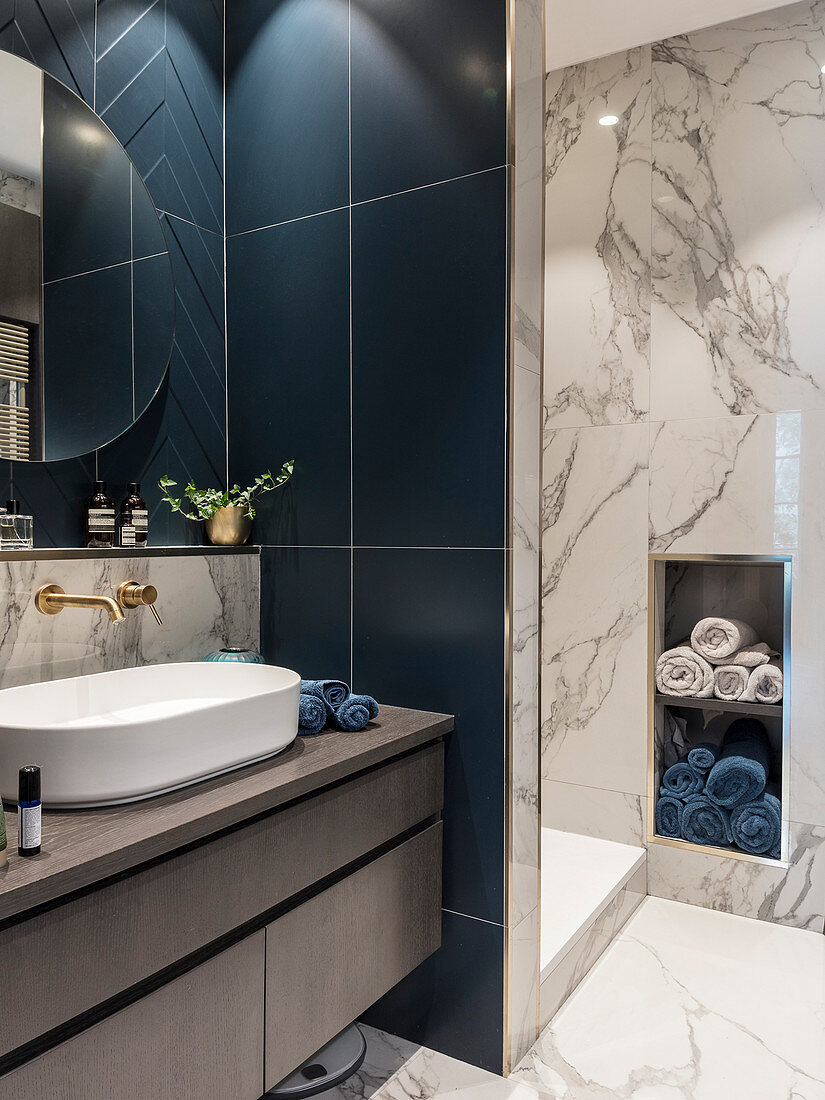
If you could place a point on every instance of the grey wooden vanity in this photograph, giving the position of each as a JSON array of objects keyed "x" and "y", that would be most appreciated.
[{"x": 204, "y": 943}]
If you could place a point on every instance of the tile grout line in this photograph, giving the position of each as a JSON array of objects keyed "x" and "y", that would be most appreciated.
[
  {"x": 351, "y": 359},
  {"x": 225, "y": 263},
  {"x": 367, "y": 202}
]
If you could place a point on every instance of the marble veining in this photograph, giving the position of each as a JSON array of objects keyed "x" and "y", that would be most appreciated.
[
  {"x": 206, "y": 603},
  {"x": 597, "y": 355},
  {"x": 20, "y": 192},
  {"x": 690, "y": 1003},
  {"x": 738, "y": 216},
  {"x": 594, "y": 606}
]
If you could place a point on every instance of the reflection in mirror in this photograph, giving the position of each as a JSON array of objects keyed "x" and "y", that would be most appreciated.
[{"x": 86, "y": 293}]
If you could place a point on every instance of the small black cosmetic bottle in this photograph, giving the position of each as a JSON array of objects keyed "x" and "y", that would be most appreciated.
[{"x": 28, "y": 811}]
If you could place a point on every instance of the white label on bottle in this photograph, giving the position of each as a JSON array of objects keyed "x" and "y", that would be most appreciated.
[
  {"x": 127, "y": 535},
  {"x": 101, "y": 520},
  {"x": 28, "y": 826},
  {"x": 140, "y": 519}
]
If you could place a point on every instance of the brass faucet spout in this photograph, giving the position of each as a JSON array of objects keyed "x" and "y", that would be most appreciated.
[{"x": 51, "y": 599}]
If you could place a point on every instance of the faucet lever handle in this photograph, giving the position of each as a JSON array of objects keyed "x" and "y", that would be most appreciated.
[{"x": 130, "y": 594}]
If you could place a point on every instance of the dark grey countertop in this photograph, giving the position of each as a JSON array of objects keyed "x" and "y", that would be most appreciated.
[{"x": 82, "y": 847}]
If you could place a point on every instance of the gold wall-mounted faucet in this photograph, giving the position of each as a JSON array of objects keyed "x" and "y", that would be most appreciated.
[
  {"x": 50, "y": 599},
  {"x": 130, "y": 594}
]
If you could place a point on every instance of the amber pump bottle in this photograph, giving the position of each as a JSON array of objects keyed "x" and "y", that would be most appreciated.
[
  {"x": 100, "y": 518},
  {"x": 134, "y": 518}
]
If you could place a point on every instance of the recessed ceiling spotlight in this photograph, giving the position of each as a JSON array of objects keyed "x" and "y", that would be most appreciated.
[
  {"x": 608, "y": 120},
  {"x": 822, "y": 70}
]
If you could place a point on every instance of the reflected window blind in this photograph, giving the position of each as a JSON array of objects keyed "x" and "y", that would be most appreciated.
[{"x": 15, "y": 362}]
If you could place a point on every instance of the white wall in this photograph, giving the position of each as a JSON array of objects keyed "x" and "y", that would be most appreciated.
[{"x": 578, "y": 30}]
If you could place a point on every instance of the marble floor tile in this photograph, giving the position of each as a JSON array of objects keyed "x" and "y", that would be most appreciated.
[
  {"x": 430, "y": 1076},
  {"x": 386, "y": 1054},
  {"x": 695, "y": 1004}
]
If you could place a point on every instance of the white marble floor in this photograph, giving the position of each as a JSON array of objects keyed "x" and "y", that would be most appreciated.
[{"x": 686, "y": 1004}]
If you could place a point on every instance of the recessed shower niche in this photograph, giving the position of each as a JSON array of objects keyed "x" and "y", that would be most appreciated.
[{"x": 684, "y": 711}]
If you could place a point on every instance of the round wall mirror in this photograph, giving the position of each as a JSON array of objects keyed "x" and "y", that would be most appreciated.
[{"x": 87, "y": 304}]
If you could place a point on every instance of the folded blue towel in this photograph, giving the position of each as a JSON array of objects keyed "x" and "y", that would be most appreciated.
[
  {"x": 355, "y": 712},
  {"x": 312, "y": 713},
  {"x": 669, "y": 810},
  {"x": 703, "y": 822},
  {"x": 741, "y": 772},
  {"x": 757, "y": 825},
  {"x": 703, "y": 757},
  {"x": 681, "y": 779},
  {"x": 333, "y": 692}
]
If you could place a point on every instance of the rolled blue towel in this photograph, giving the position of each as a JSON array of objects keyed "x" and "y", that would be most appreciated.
[
  {"x": 757, "y": 826},
  {"x": 703, "y": 756},
  {"x": 680, "y": 780},
  {"x": 355, "y": 712},
  {"x": 703, "y": 822},
  {"x": 312, "y": 713},
  {"x": 332, "y": 692},
  {"x": 669, "y": 810},
  {"x": 741, "y": 772}
]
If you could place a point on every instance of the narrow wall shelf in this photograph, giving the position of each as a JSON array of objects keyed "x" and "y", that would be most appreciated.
[{"x": 764, "y": 709}]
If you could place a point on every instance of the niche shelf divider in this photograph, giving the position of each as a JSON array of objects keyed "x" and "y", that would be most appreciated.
[{"x": 684, "y": 589}]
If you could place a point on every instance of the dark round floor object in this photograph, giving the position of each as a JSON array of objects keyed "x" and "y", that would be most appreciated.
[{"x": 330, "y": 1066}]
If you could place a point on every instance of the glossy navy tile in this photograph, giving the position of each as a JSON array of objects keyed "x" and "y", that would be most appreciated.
[
  {"x": 452, "y": 1001},
  {"x": 429, "y": 365},
  {"x": 305, "y": 610},
  {"x": 429, "y": 633},
  {"x": 147, "y": 231},
  {"x": 194, "y": 181},
  {"x": 153, "y": 316},
  {"x": 194, "y": 43},
  {"x": 122, "y": 58},
  {"x": 130, "y": 105},
  {"x": 86, "y": 356},
  {"x": 59, "y": 35},
  {"x": 291, "y": 158},
  {"x": 289, "y": 376},
  {"x": 197, "y": 369},
  {"x": 428, "y": 92},
  {"x": 53, "y": 492},
  {"x": 86, "y": 209}
]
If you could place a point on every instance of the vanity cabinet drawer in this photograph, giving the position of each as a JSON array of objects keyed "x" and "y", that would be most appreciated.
[
  {"x": 198, "y": 1038},
  {"x": 332, "y": 957},
  {"x": 85, "y": 951}
]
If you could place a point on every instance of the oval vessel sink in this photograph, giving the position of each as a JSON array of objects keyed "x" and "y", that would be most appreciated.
[{"x": 121, "y": 736}]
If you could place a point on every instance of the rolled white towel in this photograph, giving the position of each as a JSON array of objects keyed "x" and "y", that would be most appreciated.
[
  {"x": 730, "y": 681},
  {"x": 765, "y": 684},
  {"x": 682, "y": 671},
  {"x": 718, "y": 639},
  {"x": 752, "y": 656}
]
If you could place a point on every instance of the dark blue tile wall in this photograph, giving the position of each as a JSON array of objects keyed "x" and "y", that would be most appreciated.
[
  {"x": 154, "y": 72},
  {"x": 370, "y": 343},
  {"x": 288, "y": 150},
  {"x": 429, "y": 283},
  {"x": 428, "y": 92},
  {"x": 453, "y": 1001},
  {"x": 428, "y": 634}
]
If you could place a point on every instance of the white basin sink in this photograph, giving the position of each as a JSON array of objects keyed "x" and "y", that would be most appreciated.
[{"x": 121, "y": 736}]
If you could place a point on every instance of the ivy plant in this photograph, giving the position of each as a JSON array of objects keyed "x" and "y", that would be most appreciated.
[{"x": 200, "y": 504}]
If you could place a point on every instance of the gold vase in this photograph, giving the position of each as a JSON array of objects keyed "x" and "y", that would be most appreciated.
[{"x": 229, "y": 527}]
